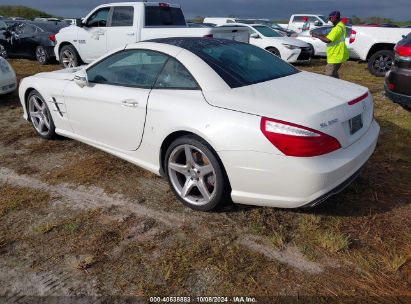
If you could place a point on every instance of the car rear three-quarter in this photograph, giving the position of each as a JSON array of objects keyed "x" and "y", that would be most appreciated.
[{"x": 216, "y": 117}]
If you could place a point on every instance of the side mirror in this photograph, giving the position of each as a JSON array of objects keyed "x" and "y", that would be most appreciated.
[
  {"x": 254, "y": 35},
  {"x": 318, "y": 23},
  {"x": 80, "y": 78}
]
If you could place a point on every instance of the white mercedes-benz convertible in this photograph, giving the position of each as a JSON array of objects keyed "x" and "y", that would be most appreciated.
[{"x": 218, "y": 118}]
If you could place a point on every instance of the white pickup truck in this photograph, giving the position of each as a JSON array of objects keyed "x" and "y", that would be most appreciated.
[
  {"x": 376, "y": 45},
  {"x": 111, "y": 26},
  {"x": 297, "y": 21}
]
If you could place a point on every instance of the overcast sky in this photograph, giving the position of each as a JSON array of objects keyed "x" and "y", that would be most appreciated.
[{"x": 276, "y": 9}]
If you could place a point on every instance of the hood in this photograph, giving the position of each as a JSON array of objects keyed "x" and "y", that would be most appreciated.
[
  {"x": 66, "y": 74},
  {"x": 291, "y": 41}
]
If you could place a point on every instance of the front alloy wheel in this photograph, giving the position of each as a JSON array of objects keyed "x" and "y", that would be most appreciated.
[
  {"x": 40, "y": 116},
  {"x": 195, "y": 174}
]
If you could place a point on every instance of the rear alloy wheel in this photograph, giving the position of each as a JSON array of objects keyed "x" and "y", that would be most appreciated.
[
  {"x": 40, "y": 116},
  {"x": 195, "y": 174},
  {"x": 3, "y": 52},
  {"x": 69, "y": 57},
  {"x": 274, "y": 51},
  {"x": 381, "y": 62},
  {"x": 41, "y": 55}
]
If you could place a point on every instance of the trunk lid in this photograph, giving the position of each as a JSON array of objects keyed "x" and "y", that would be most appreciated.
[{"x": 307, "y": 99}]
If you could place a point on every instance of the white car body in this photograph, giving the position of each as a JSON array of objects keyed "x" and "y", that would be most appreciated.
[
  {"x": 296, "y": 22},
  {"x": 319, "y": 47},
  {"x": 280, "y": 43},
  {"x": 219, "y": 20},
  {"x": 228, "y": 119},
  {"x": 8, "y": 81},
  {"x": 93, "y": 42}
]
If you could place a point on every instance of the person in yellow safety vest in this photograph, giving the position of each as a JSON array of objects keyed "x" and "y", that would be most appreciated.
[{"x": 337, "y": 51}]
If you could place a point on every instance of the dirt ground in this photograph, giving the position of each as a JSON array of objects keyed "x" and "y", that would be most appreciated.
[{"x": 75, "y": 221}]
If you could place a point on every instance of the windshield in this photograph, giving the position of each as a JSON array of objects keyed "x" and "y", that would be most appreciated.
[
  {"x": 266, "y": 31},
  {"x": 323, "y": 18}
]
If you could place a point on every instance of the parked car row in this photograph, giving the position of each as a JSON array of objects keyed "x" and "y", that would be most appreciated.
[
  {"x": 29, "y": 39},
  {"x": 304, "y": 136}
]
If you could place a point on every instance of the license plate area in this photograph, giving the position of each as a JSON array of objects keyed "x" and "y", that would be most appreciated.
[{"x": 355, "y": 124}]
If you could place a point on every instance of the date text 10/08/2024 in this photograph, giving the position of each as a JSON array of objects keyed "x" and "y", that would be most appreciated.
[{"x": 199, "y": 299}]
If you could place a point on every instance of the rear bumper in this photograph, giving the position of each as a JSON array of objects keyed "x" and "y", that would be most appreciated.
[
  {"x": 289, "y": 182},
  {"x": 401, "y": 99}
]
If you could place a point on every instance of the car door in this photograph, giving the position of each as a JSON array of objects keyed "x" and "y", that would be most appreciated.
[
  {"x": 111, "y": 110},
  {"x": 25, "y": 40},
  {"x": 92, "y": 37},
  {"x": 121, "y": 30}
]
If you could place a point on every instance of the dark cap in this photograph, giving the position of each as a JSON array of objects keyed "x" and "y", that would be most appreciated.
[{"x": 335, "y": 14}]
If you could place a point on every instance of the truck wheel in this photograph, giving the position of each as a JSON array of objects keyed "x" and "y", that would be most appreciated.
[
  {"x": 274, "y": 51},
  {"x": 69, "y": 57},
  {"x": 381, "y": 62},
  {"x": 41, "y": 55}
]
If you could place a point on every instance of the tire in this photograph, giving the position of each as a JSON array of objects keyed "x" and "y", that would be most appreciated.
[
  {"x": 381, "y": 62},
  {"x": 274, "y": 51},
  {"x": 312, "y": 50},
  {"x": 195, "y": 174},
  {"x": 3, "y": 52},
  {"x": 69, "y": 57},
  {"x": 40, "y": 116},
  {"x": 41, "y": 55}
]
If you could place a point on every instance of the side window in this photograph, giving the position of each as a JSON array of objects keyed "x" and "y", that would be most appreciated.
[
  {"x": 175, "y": 76},
  {"x": 122, "y": 16},
  {"x": 135, "y": 68},
  {"x": 99, "y": 18},
  {"x": 298, "y": 19},
  {"x": 28, "y": 30},
  {"x": 313, "y": 19}
]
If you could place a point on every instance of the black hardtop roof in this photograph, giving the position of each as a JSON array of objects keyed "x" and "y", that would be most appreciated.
[{"x": 194, "y": 43}]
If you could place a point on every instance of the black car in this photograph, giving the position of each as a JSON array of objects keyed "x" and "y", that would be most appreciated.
[
  {"x": 398, "y": 80},
  {"x": 28, "y": 39}
]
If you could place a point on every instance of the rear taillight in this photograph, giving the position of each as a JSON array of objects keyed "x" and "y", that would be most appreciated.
[
  {"x": 353, "y": 36},
  {"x": 295, "y": 140},
  {"x": 357, "y": 100},
  {"x": 404, "y": 51},
  {"x": 52, "y": 38},
  {"x": 209, "y": 36},
  {"x": 164, "y": 5}
]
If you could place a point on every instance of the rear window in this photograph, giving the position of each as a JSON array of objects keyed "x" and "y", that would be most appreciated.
[
  {"x": 51, "y": 26},
  {"x": 164, "y": 15}
]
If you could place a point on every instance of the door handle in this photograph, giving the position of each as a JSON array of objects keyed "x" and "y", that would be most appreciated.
[
  {"x": 130, "y": 34},
  {"x": 129, "y": 103}
]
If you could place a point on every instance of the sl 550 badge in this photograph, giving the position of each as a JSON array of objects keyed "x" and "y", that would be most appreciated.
[{"x": 329, "y": 123}]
